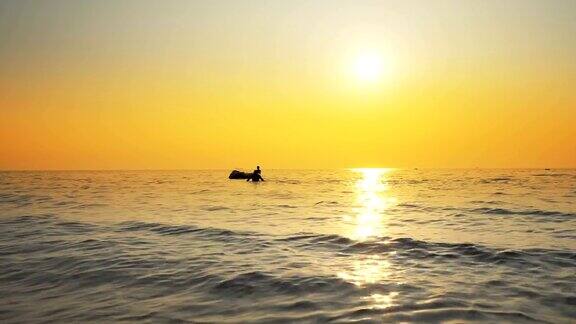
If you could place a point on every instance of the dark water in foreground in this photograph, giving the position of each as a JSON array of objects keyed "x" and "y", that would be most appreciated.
[{"x": 307, "y": 246}]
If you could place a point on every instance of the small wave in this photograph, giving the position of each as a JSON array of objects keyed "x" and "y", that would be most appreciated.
[
  {"x": 332, "y": 242},
  {"x": 328, "y": 203},
  {"x": 21, "y": 200},
  {"x": 288, "y": 181},
  {"x": 215, "y": 208},
  {"x": 416, "y": 249},
  {"x": 535, "y": 212},
  {"x": 202, "y": 191},
  {"x": 425, "y": 315},
  {"x": 27, "y": 219},
  {"x": 552, "y": 175},
  {"x": 486, "y": 202},
  {"x": 254, "y": 240},
  {"x": 163, "y": 229},
  {"x": 264, "y": 283},
  {"x": 286, "y": 206},
  {"x": 407, "y": 205},
  {"x": 496, "y": 180},
  {"x": 414, "y": 206},
  {"x": 87, "y": 206}
]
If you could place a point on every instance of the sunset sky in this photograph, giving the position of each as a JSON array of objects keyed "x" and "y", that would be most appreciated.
[{"x": 287, "y": 84}]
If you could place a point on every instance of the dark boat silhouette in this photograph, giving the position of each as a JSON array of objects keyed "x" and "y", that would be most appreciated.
[{"x": 235, "y": 174}]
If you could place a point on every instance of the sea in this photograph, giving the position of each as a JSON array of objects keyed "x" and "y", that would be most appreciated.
[{"x": 305, "y": 246}]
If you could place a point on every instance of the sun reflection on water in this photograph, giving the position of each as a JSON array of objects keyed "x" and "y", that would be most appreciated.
[
  {"x": 368, "y": 269},
  {"x": 371, "y": 188},
  {"x": 382, "y": 300},
  {"x": 369, "y": 222}
]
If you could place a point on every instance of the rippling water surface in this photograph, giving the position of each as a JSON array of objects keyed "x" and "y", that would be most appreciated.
[{"x": 346, "y": 245}]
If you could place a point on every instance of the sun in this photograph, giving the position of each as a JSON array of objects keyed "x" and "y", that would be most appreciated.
[{"x": 369, "y": 67}]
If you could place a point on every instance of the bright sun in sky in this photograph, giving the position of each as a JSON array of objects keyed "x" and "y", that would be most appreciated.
[{"x": 369, "y": 67}]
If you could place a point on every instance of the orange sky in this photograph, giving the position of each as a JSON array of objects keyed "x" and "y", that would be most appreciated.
[{"x": 224, "y": 84}]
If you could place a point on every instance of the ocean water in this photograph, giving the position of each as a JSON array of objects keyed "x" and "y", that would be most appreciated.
[{"x": 367, "y": 245}]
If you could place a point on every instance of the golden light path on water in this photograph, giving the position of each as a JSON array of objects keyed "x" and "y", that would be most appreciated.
[
  {"x": 373, "y": 200},
  {"x": 369, "y": 222}
]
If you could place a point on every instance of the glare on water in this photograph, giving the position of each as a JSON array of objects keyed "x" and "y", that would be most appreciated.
[
  {"x": 370, "y": 222},
  {"x": 371, "y": 191}
]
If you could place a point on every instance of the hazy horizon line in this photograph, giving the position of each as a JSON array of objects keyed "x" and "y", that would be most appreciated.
[{"x": 294, "y": 169}]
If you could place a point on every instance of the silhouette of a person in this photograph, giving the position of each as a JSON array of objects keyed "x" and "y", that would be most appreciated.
[{"x": 256, "y": 175}]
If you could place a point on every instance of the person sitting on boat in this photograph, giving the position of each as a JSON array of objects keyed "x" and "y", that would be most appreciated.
[{"x": 256, "y": 175}]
